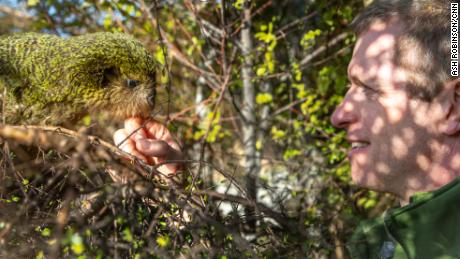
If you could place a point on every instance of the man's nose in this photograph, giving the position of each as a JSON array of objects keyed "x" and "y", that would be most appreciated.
[{"x": 344, "y": 114}]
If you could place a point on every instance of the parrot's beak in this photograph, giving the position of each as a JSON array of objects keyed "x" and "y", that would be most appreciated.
[{"x": 151, "y": 98}]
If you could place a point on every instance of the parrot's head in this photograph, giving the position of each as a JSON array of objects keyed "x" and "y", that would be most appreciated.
[{"x": 122, "y": 75}]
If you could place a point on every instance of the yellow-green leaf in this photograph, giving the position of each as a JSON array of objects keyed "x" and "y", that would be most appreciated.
[
  {"x": 107, "y": 21},
  {"x": 277, "y": 134},
  {"x": 261, "y": 71},
  {"x": 31, "y": 3},
  {"x": 46, "y": 232},
  {"x": 264, "y": 98},
  {"x": 259, "y": 144},
  {"x": 291, "y": 153},
  {"x": 163, "y": 241},
  {"x": 127, "y": 236},
  {"x": 77, "y": 244},
  {"x": 159, "y": 56},
  {"x": 86, "y": 120},
  {"x": 238, "y": 4}
]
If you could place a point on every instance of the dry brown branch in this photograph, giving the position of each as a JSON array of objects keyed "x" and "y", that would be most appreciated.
[
  {"x": 49, "y": 136},
  {"x": 253, "y": 13},
  {"x": 14, "y": 19},
  {"x": 12, "y": 12},
  {"x": 175, "y": 52},
  {"x": 278, "y": 217},
  {"x": 76, "y": 144},
  {"x": 95, "y": 204}
]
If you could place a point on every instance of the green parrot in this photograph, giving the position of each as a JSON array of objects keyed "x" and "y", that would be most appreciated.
[{"x": 46, "y": 79}]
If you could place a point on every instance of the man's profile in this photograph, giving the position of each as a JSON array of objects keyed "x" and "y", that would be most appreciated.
[{"x": 402, "y": 117}]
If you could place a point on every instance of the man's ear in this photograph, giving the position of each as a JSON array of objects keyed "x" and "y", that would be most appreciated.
[{"x": 450, "y": 99}]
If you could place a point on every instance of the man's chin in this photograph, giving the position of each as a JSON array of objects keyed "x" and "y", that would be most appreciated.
[{"x": 364, "y": 179}]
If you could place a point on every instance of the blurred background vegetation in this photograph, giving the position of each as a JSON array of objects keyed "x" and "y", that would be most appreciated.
[{"x": 248, "y": 87}]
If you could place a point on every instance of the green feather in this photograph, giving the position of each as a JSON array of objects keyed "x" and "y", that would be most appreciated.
[{"x": 52, "y": 80}]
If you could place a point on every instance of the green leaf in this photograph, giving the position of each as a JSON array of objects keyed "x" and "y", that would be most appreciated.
[
  {"x": 127, "y": 236},
  {"x": 309, "y": 37},
  {"x": 271, "y": 66},
  {"x": 130, "y": 9},
  {"x": 229, "y": 237},
  {"x": 77, "y": 245},
  {"x": 198, "y": 134},
  {"x": 369, "y": 204},
  {"x": 46, "y": 232},
  {"x": 31, "y": 3},
  {"x": 238, "y": 4},
  {"x": 290, "y": 153},
  {"x": 302, "y": 93},
  {"x": 107, "y": 21},
  {"x": 261, "y": 71},
  {"x": 277, "y": 134},
  {"x": 159, "y": 56},
  {"x": 164, "y": 78},
  {"x": 213, "y": 134},
  {"x": 163, "y": 241},
  {"x": 259, "y": 144},
  {"x": 263, "y": 98},
  {"x": 86, "y": 120}
]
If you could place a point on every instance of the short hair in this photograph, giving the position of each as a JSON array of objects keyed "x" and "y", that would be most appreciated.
[{"x": 426, "y": 30}]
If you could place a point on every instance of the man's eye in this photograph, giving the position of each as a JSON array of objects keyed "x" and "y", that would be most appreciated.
[
  {"x": 131, "y": 83},
  {"x": 369, "y": 90}
]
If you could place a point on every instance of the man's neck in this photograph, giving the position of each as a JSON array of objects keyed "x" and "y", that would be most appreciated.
[{"x": 441, "y": 177}]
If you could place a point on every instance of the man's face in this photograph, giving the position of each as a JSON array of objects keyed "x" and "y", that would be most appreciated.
[{"x": 392, "y": 135}]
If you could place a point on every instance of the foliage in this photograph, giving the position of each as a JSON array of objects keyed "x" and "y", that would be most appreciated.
[{"x": 307, "y": 206}]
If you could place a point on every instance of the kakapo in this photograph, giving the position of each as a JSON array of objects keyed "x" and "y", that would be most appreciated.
[{"x": 46, "y": 79}]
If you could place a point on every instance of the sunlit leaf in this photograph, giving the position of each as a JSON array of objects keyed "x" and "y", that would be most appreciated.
[
  {"x": 32, "y": 3},
  {"x": 163, "y": 241},
  {"x": 264, "y": 98}
]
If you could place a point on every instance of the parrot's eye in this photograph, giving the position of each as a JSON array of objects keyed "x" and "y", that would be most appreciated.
[{"x": 131, "y": 83}]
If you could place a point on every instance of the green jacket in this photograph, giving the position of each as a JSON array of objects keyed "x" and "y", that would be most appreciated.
[{"x": 428, "y": 227}]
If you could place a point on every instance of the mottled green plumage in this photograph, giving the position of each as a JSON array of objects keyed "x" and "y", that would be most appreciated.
[{"x": 52, "y": 80}]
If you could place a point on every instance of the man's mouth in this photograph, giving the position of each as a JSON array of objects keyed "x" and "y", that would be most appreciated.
[
  {"x": 357, "y": 147},
  {"x": 359, "y": 144}
]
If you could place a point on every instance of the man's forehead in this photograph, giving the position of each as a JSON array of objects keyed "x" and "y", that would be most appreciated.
[{"x": 375, "y": 51}]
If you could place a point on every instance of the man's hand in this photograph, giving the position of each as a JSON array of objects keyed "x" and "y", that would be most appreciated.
[{"x": 152, "y": 143}]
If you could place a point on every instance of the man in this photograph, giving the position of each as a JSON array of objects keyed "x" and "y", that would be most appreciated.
[{"x": 402, "y": 117}]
